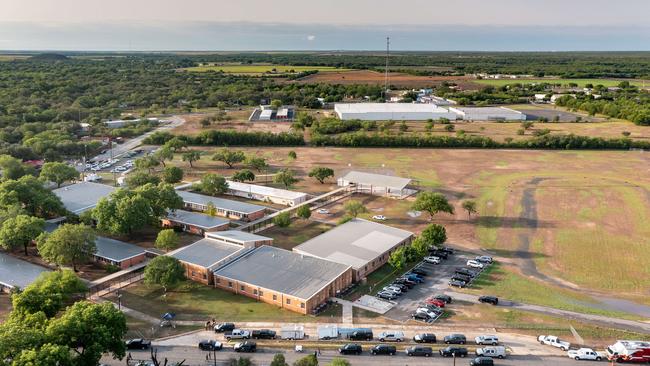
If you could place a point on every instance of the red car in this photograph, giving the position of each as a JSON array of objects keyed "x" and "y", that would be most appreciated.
[{"x": 436, "y": 302}]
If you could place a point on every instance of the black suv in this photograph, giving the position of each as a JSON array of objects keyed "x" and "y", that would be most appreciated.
[
  {"x": 451, "y": 351},
  {"x": 447, "y": 250},
  {"x": 461, "y": 277},
  {"x": 489, "y": 300},
  {"x": 210, "y": 345},
  {"x": 361, "y": 335},
  {"x": 445, "y": 298},
  {"x": 455, "y": 339},
  {"x": 351, "y": 349},
  {"x": 466, "y": 272},
  {"x": 419, "y": 271},
  {"x": 421, "y": 316},
  {"x": 383, "y": 349},
  {"x": 425, "y": 338},
  {"x": 482, "y": 361},
  {"x": 419, "y": 351},
  {"x": 439, "y": 253},
  {"x": 263, "y": 334},
  {"x": 224, "y": 327},
  {"x": 405, "y": 282},
  {"x": 246, "y": 346},
  {"x": 400, "y": 286},
  {"x": 138, "y": 343}
]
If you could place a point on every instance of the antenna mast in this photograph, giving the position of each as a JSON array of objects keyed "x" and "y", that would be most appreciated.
[{"x": 386, "y": 76}]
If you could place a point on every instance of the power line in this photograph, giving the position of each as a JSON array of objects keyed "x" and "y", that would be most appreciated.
[{"x": 386, "y": 76}]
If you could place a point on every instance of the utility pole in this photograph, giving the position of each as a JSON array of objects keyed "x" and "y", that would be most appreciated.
[{"x": 386, "y": 76}]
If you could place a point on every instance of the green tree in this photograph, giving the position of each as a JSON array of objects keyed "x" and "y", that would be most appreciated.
[
  {"x": 527, "y": 125},
  {"x": 256, "y": 162},
  {"x": 243, "y": 175},
  {"x": 68, "y": 245},
  {"x": 122, "y": 212},
  {"x": 191, "y": 157},
  {"x": 303, "y": 212},
  {"x": 434, "y": 235},
  {"x": 241, "y": 361},
  {"x": 47, "y": 355},
  {"x": 292, "y": 155},
  {"x": 321, "y": 173},
  {"x": 276, "y": 103},
  {"x": 148, "y": 163},
  {"x": 163, "y": 154},
  {"x": 336, "y": 361},
  {"x": 420, "y": 247},
  {"x": 172, "y": 174},
  {"x": 432, "y": 202},
  {"x": 176, "y": 143},
  {"x": 30, "y": 194},
  {"x": 282, "y": 220},
  {"x": 470, "y": 207},
  {"x": 20, "y": 231},
  {"x": 213, "y": 184},
  {"x": 285, "y": 177},
  {"x": 139, "y": 178},
  {"x": 354, "y": 208},
  {"x": 12, "y": 168},
  {"x": 49, "y": 293},
  {"x": 164, "y": 271},
  {"x": 229, "y": 157},
  {"x": 397, "y": 259},
  {"x": 279, "y": 360},
  {"x": 167, "y": 239},
  {"x": 309, "y": 360},
  {"x": 58, "y": 173}
]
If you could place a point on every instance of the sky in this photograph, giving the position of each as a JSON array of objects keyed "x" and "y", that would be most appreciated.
[{"x": 482, "y": 25}]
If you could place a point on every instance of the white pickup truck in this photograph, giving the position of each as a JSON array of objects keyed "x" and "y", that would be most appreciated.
[
  {"x": 585, "y": 354},
  {"x": 554, "y": 341},
  {"x": 238, "y": 334}
]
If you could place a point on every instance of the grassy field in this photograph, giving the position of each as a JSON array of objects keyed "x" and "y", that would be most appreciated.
[
  {"x": 565, "y": 82},
  {"x": 299, "y": 232},
  {"x": 261, "y": 69}
]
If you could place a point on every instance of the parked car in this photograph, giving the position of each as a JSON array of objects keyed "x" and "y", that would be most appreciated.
[
  {"x": 460, "y": 277},
  {"x": 263, "y": 334},
  {"x": 455, "y": 339},
  {"x": 386, "y": 295},
  {"x": 224, "y": 327},
  {"x": 246, "y": 346},
  {"x": 456, "y": 283},
  {"x": 361, "y": 335},
  {"x": 492, "y": 351},
  {"x": 413, "y": 277},
  {"x": 391, "y": 336},
  {"x": 432, "y": 260},
  {"x": 448, "y": 250},
  {"x": 482, "y": 361},
  {"x": 446, "y": 298},
  {"x": 419, "y": 272},
  {"x": 210, "y": 345},
  {"x": 383, "y": 349},
  {"x": 421, "y": 316},
  {"x": 379, "y": 217},
  {"x": 484, "y": 259},
  {"x": 439, "y": 253},
  {"x": 466, "y": 272},
  {"x": 406, "y": 282},
  {"x": 584, "y": 354},
  {"x": 489, "y": 300},
  {"x": 437, "y": 302},
  {"x": 475, "y": 264},
  {"x": 351, "y": 349},
  {"x": 433, "y": 308},
  {"x": 237, "y": 334},
  {"x": 400, "y": 286},
  {"x": 431, "y": 314},
  {"x": 138, "y": 343},
  {"x": 487, "y": 339},
  {"x": 393, "y": 290},
  {"x": 424, "y": 338},
  {"x": 453, "y": 350},
  {"x": 419, "y": 351},
  {"x": 554, "y": 341},
  {"x": 323, "y": 211}
]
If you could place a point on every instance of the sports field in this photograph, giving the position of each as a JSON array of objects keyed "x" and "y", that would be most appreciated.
[
  {"x": 262, "y": 69},
  {"x": 565, "y": 82}
]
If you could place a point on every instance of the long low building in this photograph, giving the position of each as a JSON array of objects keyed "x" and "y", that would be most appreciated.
[
  {"x": 377, "y": 184},
  {"x": 227, "y": 208},
  {"x": 202, "y": 257},
  {"x": 83, "y": 196},
  {"x": 264, "y": 193},
  {"x": 194, "y": 222},
  {"x": 283, "y": 278},
  {"x": 118, "y": 253},
  {"x": 17, "y": 273},
  {"x": 238, "y": 237},
  {"x": 391, "y": 111},
  {"x": 364, "y": 245},
  {"x": 488, "y": 114}
]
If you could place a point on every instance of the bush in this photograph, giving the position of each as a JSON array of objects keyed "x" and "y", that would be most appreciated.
[{"x": 282, "y": 220}]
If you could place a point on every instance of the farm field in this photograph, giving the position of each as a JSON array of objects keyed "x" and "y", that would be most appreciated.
[
  {"x": 394, "y": 78},
  {"x": 565, "y": 82},
  {"x": 261, "y": 69}
]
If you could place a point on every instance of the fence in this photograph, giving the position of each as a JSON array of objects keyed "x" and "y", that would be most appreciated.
[{"x": 112, "y": 284}]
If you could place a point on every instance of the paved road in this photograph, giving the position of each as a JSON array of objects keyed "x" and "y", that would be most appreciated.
[{"x": 193, "y": 357}]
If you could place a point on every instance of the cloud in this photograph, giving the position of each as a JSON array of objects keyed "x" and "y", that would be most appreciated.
[{"x": 311, "y": 37}]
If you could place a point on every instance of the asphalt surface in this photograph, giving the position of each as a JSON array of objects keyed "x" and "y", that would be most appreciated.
[{"x": 193, "y": 357}]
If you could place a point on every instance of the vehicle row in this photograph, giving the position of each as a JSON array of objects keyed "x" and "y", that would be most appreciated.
[{"x": 464, "y": 276}]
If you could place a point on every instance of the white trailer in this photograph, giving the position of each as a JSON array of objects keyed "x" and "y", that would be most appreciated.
[
  {"x": 292, "y": 332},
  {"x": 329, "y": 331}
]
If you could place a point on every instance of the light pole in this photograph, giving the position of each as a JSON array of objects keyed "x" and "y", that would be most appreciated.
[{"x": 119, "y": 301}]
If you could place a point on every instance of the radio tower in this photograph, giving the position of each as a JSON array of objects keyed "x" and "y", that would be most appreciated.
[{"x": 386, "y": 76}]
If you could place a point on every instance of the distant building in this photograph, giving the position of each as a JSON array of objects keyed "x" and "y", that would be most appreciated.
[
  {"x": 235, "y": 210},
  {"x": 267, "y": 113},
  {"x": 119, "y": 123},
  {"x": 377, "y": 184},
  {"x": 118, "y": 253},
  {"x": 202, "y": 257},
  {"x": 80, "y": 197},
  {"x": 488, "y": 114},
  {"x": 266, "y": 194},
  {"x": 391, "y": 111},
  {"x": 17, "y": 273},
  {"x": 194, "y": 222},
  {"x": 238, "y": 237}
]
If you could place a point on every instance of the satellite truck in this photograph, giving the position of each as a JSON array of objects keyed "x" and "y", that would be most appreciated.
[{"x": 629, "y": 351}]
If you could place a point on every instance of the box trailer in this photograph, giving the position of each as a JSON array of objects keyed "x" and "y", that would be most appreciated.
[
  {"x": 292, "y": 332},
  {"x": 629, "y": 351},
  {"x": 329, "y": 331}
]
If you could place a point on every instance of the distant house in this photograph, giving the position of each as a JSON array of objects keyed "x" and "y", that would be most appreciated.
[
  {"x": 83, "y": 196},
  {"x": 264, "y": 193},
  {"x": 242, "y": 238},
  {"x": 377, "y": 184},
  {"x": 202, "y": 257},
  {"x": 118, "y": 253},
  {"x": 17, "y": 273},
  {"x": 235, "y": 210},
  {"x": 194, "y": 223}
]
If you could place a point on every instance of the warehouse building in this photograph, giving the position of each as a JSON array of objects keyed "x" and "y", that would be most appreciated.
[
  {"x": 283, "y": 278},
  {"x": 194, "y": 223},
  {"x": 118, "y": 253},
  {"x": 227, "y": 208},
  {"x": 391, "y": 111},
  {"x": 488, "y": 114},
  {"x": 377, "y": 184},
  {"x": 83, "y": 196},
  {"x": 202, "y": 257},
  {"x": 266, "y": 194},
  {"x": 361, "y": 244},
  {"x": 17, "y": 273},
  {"x": 236, "y": 237}
]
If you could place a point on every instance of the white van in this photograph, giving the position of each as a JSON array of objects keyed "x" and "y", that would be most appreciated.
[
  {"x": 391, "y": 336},
  {"x": 492, "y": 351}
]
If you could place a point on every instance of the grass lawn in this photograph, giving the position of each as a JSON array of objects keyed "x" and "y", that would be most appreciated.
[
  {"x": 193, "y": 301},
  {"x": 299, "y": 232},
  {"x": 581, "y": 82},
  {"x": 141, "y": 329},
  {"x": 260, "y": 69}
]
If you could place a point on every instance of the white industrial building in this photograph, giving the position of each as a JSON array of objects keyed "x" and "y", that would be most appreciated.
[
  {"x": 391, "y": 111},
  {"x": 264, "y": 193},
  {"x": 488, "y": 114}
]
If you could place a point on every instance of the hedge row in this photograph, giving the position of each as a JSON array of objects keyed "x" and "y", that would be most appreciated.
[{"x": 235, "y": 138}]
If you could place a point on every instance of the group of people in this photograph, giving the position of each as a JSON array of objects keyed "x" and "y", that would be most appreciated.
[{"x": 209, "y": 325}]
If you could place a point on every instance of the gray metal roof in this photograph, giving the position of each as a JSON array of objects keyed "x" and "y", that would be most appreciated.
[
  {"x": 283, "y": 271},
  {"x": 16, "y": 272},
  {"x": 206, "y": 252},
  {"x": 354, "y": 243},
  {"x": 237, "y": 235},
  {"x": 82, "y": 196},
  {"x": 230, "y": 205},
  {"x": 196, "y": 219},
  {"x": 264, "y": 190},
  {"x": 378, "y": 180},
  {"x": 116, "y": 250}
]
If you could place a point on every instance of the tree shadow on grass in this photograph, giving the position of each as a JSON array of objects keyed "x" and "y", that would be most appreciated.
[{"x": 512, "y": 222}]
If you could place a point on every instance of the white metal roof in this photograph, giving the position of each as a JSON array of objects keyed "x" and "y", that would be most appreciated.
[
  {"x": 200, "y": 220},
  {"x": 485, "y": 110},
  {"x": 82, "y": 196},
  {"x": 206, "y": 252},
  {"x": 264, "y": 190},
  {"x": 16, "y": 272},
  {"x": 236, "y": 235},
  {"x": 219, "y": 203},
  {"x": 378, "y": 180},
  {"x": 387, "y": 108}
]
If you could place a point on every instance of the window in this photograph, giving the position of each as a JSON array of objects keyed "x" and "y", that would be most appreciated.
[
  {"x": 275, "y": 297},
  {"x": 261, "y": 293},
  {"x": 218, "y": 280},
  {"x": 302, "y": 305},
  {"x": 193, "y": 274},
  {"x": 205, "y": 276},
  {"x": 241, "y": 287},
  {"x": 230, "y": 284},
  {"x": 254, "y": 292},
  {"x": 288, "y": 301}
]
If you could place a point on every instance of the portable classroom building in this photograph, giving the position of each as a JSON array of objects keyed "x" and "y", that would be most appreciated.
[
  {"x": 292, "y": 332},
  {"x": 329, "y": 331},
  {"x": 265, "y": 194}
]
